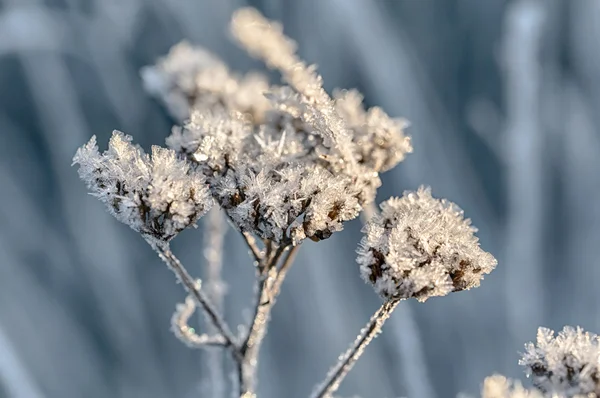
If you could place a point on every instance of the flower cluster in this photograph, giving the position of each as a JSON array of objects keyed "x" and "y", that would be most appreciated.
[
  {"x": 566, "y": 364},
  {"x": 296, "y": 168},
  {"x": 157, "y": 195},
  {"x": 421, "y": 247},
  {"x": 285, "y": 162},
  {"x": 194, "y": 78}
]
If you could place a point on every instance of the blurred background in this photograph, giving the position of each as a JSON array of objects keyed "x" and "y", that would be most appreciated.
[{"x": 503, "y": 99}]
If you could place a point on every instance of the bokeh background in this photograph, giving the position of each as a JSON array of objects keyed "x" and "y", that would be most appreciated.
[{"x": 503, "y": 97}]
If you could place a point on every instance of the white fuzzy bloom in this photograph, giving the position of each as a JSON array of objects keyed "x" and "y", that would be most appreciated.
[
  {"x": 296, "y": 168},
  {"x": 379, "y": 140},
  {"x": 568, "y": 363},
  {"x": 264, "y": 39},
  {"x": 270, "y": 181},
  {"x": 157, "y": 195},
  {"x": 193, "y": 78},
  {"x": 421, "y": 247}
]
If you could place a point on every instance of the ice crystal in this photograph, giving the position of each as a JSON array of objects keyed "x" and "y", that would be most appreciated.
[
  {"x": 157, "y": 195},
  {"x": 421, "y": 247},
  {"x": 568, "y": 363}
]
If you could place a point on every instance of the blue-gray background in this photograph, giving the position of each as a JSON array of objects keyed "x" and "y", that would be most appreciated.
[{"x": 503, "y": 97}]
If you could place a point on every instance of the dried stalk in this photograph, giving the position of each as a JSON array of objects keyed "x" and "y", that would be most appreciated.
[
  {"x": 337, "y": 374},
  {"x": 269, "y": 281}
]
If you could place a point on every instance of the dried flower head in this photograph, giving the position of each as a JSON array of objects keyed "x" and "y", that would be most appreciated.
[
  {"x": 157, "y": 195},
  {"x": 567, "y": 364},
  {"x": 421, "y": 247},
  {"x": 194, "y": 78},
  {"x": 379, "y": 140},
  {"x": 285, "y": 162},
  {"x": 267, "y": 180},
  {"x": 303, "y": 167}
]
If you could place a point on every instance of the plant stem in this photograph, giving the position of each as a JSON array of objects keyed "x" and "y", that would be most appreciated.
[
  {"x": 337, "y": 374},
  {"x": 251, "y": 243},
  {"x": 270, "y": 280},
  {"x": 164, "y": 252}
]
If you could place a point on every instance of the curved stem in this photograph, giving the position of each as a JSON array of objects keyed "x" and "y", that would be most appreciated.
[
  {"x": 337, "y": 374},
  {"x": 164, "y": 252}
]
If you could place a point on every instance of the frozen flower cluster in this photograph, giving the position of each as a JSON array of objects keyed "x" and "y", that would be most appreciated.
[
  {"x": 566, "y": 364},
  {"x": 297, "y": 168},
  {"x": 284, "y": 163},
  {"x": 194, "y": 78},
  {"x": 157, "y": 195},
  {"x": 421, "y": 247}
]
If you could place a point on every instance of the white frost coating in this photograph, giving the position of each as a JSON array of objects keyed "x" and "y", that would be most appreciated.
[
  {"x": 191, "y": 77},
  {"x": 157, "y": 195},
  {"x": 270, "y": 181},
  {"x": 264, "y": 39},
  {"x": 421, "y": 247},
  {"x": 185, "y": 333},
  {"x": 285, "y": 163},
  {"x": 379, "y": 140},
  {"x": 567, "y": 364}
]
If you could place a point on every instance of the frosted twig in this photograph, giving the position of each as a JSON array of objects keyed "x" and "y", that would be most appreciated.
[
  {"x": 164, "y": 252},
  {"x": 269, "y": 280},
  {"x": 337, "y": 374},
  {"x": 285, "y": 266},
  {"x": 187, "y": 334},
  {"x": 251, "y": 242}
]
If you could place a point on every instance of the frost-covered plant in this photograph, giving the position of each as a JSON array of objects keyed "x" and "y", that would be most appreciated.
[
  {"x": 567, "y": 364},
  {"x": 421, "y": 247},
  {"x": 284, "y": 163},
  {"x": 562, "y": 366},
  {"x": 157, "y": 195}
]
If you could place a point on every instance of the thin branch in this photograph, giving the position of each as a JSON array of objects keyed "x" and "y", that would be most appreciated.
[
  {"x": 285, "y": 266},
  {"x": 269, "y": 280},
  {"x": 187, "y": 334},
  {"x": 254, "y": 249},
  {"x": 337, "y": 374},
  {"x": 164, "y": 252}
]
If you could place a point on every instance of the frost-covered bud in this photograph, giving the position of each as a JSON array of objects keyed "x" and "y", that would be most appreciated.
[
  {"x": 567, "y": 364},
  {"x": 421, "y": 247},
  {"x": 190, "y": 77},
  {"x": 498, "y": 386},
  {"x": 379, "y": 140},
  {"x": 156, "y": 195}
]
